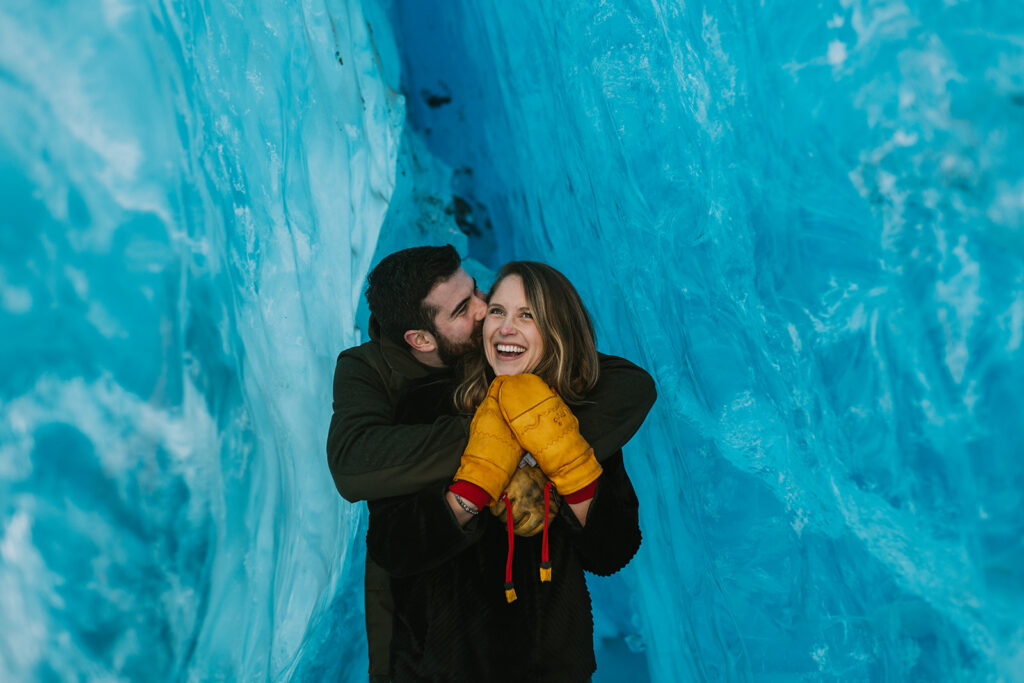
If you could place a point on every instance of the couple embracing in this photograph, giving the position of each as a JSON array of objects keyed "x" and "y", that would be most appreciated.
[{"x": 485, "y": 432}]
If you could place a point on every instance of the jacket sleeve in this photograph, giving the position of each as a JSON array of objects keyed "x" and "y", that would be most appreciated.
[
  {"x": 616, "y": 407},
  {"x": 412, "y": 534},
  {"x": 611, "y": 536},
  {"x": 372, "y": 457}
]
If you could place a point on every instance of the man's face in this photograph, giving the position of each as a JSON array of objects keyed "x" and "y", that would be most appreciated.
[{"x": 460, "y": 307}]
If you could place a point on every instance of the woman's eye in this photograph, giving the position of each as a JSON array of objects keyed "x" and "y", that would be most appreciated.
[
  {"x": 493, "y": 311},
  {"x": 527, "y": 314}
]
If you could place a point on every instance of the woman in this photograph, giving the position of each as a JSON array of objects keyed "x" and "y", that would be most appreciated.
[{"x": 466, "y": 606}]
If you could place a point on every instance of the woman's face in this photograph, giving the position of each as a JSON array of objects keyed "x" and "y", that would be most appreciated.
[{"x": 512, "y": 341}]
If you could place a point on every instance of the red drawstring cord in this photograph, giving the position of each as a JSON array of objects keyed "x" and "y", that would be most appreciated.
[
  {"x": 545, "y": 562},
  {"x": 510, "y": 590},
  {"x": 545, "y": 557}
]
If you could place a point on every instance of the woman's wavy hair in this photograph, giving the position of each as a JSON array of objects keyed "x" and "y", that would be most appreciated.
[{"x": 569, "y": 363}]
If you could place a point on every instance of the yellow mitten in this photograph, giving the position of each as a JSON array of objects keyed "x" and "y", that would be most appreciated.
[
  {"x": 545, "y": 426},
  {"x": 492, "y": 454},
  {"x": 526, "y": 496}
]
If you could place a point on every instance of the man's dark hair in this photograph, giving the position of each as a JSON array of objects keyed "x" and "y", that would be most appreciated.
[{"x": 400, "y": 283}]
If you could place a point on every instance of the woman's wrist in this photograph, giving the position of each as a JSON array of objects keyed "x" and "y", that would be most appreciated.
[
  {"x": 465, "y": 505},
  {"x": 462, "y": 515},
  {"x": 584, "y": 494},
  {"x": 471, "y": 493}
]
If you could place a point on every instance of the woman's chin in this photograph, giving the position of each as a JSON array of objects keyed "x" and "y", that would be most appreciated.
[
  {"x": 506, "y": 367},
  {"x": 512, "y": 368}
]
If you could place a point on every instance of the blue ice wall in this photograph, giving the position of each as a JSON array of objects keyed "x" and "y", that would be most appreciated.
[
  {"x": 192, "y": 193},
  {"x": 805, "y": 221}
]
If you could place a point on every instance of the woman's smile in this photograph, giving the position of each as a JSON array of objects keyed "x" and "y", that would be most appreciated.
[{"x": 509, "y": 351}]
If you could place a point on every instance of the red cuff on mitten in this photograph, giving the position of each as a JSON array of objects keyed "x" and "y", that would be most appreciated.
[
  {"x": 584, "y": 494},
  {"x": 473, "y": 493}
]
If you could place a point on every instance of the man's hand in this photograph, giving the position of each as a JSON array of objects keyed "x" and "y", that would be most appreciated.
[{"x": 526, "y": 496}]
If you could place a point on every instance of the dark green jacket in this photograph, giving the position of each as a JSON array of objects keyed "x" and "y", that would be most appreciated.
[{"x": 378, "y": 449}]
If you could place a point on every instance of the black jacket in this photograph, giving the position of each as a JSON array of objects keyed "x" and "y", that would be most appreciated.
[
  {"x": 451, "y": 619},
  {"x": 452, "y": 622}
]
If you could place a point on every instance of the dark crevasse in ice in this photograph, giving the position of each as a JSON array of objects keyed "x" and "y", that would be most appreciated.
[{"x": 805, "y": 221}]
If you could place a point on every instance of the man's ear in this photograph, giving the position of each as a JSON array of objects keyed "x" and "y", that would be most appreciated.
[{"x": 420, "y": 340}]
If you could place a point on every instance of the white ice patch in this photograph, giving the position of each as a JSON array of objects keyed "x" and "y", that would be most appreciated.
[
  {"x": 961, "y": 294},
  {"x": 255, "y": 81},
  {"x": 1007, "y": 208},
  {"x": 16, "y": 300},
  {"x": 26, "y": 599},
  {"x": 903, "y": 139},
  {"x": 105, "y": 322},
  {"x": 820, "y": 656},
  {"x": 836, "y": 53},
  {"x": 794, "y": 335},
  {"x": 79, "y": 281},
  {"x": 1014, "y": 323},
  {"x": 115, "y": 10}
]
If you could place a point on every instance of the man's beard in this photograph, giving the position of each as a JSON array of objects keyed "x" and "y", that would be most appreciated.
[{"x": 452, "y": 353}]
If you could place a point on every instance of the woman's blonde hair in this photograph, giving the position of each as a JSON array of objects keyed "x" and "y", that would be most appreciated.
[{"x": 569, "y": 362}]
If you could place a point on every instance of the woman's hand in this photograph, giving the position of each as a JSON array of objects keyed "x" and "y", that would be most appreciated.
[
  {"x": 492, "y": 453},
  {"x": 545, "y": 426}
]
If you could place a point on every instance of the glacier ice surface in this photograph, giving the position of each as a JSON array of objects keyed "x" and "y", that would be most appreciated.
[{"x": 805, "y": 221}]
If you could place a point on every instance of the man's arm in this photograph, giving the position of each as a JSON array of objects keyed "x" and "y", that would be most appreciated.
[
  {"x": 616, "y": 407},
  {"x": 610, "y": 535},
  {"x": 412, "y": 534},
  {"x": 372, "y": 457}
]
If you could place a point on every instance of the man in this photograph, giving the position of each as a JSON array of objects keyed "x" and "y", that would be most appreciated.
[{"x": 393, "y": 432}]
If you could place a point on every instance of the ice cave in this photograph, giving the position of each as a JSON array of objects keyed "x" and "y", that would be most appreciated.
[{"x": 805, "y": 220}]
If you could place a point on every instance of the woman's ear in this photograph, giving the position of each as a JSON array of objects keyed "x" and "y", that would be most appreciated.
[{"x": 420, "y": 340}]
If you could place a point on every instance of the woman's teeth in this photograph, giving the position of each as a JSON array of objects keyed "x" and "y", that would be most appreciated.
[{"x": 507, "y": 351}]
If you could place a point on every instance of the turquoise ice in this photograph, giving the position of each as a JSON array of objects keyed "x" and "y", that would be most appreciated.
[{"x": 805, "y": 220}]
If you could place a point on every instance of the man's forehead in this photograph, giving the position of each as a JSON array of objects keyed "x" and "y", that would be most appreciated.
[{"x": 448, "y": 293}]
